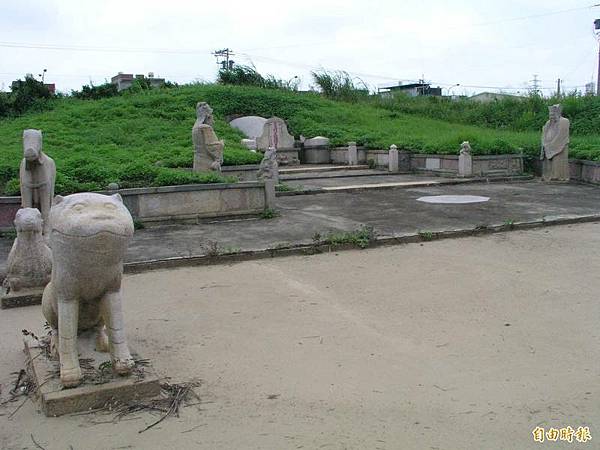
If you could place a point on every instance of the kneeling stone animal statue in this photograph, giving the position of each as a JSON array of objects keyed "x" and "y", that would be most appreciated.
[
  {"x": 89, "y": 237},
  {"x": 30, "y": 260}
]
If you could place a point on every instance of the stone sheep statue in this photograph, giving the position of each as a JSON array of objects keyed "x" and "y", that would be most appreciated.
[
  {"x": 37, "y": 176},
  {"x": 30, "y": 260},
  {"x": 89, "y": 237}
]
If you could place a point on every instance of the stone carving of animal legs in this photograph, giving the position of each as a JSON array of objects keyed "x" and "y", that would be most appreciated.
[
  {"x": 68, "y": 317},
  {"x": 110, "y": 310},
  {"x": 45, "y": 201}
]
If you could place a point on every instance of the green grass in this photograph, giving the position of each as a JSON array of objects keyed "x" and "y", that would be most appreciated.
[{"x": 144, "y": 139}]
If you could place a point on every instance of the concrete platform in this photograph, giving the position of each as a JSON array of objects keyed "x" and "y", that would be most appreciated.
[
  {"x": 99, "y": 388},
  {"x": 24, "y": 297},
  {"x": 392, "y": 213}
]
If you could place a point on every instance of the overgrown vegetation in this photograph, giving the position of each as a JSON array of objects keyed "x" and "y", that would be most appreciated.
[
  {"x": 512, "y": 113},
  {"x": 144, "y": 138},
  {"x": 248, "y": 76},
  {"x": 339, "y": 85}
]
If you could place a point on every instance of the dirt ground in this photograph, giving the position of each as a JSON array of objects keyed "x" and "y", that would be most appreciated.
[{"x": 456, "y": 344}]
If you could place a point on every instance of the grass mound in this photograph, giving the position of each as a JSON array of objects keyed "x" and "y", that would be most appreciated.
[{"x": 144, "y": 138}]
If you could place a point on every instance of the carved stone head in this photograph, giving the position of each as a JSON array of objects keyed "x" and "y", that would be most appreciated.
[
  {"x": 32, "y": 144},
  {"x": 204, "y": 113},
  {"x": 465, "y": 148},
  {"x": 555, "y": 112}
]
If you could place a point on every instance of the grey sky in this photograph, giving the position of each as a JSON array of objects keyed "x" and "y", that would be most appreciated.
[{"x": 474, "y": 43}]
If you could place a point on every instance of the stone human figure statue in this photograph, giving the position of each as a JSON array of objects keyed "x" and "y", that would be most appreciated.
[
  {"x": 269, "y": 168},
  {"x": 555, "y": 146},
  {"x": 37, "y": 175},
  {"x": 465, "y": 160},
  {"x": 89, "y": 237},
  {"x": 208, "y": 149}
]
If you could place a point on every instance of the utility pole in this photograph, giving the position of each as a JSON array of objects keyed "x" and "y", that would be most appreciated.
[
  {"x": 558, "y": 87},
  {"x": 225, "y": 63},
  {"x": 597, "y": 31},
  {"x": 535, "y": 85}
]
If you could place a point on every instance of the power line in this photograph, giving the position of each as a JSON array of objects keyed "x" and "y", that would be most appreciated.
[
  {"x": 481, "y": 24},
  {"x": 82, "y": 48}
]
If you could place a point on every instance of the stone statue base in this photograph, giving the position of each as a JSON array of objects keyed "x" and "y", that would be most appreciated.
[
  {"x": 100, "y": 387},
  {"x": 23, "y": 297},
  {"x": 557, "y": 168}
]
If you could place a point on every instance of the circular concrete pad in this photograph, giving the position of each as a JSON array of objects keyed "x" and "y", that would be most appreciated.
[{"x": 453, "y": 199}]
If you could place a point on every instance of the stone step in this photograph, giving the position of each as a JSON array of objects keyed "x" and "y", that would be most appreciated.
[
  {"x": 318, "y": 168},
  {"x": 337, "y": 174}
]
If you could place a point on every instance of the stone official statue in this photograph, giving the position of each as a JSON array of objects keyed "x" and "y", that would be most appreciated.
[
  {"x": 37, "y": 176},
  {"x": 208, "y": 149},
  {"x": 555, "y": 146}
]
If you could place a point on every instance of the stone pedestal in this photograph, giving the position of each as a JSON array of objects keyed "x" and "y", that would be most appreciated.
[
  {"x": 393, "y": 159},
  {"x": 99, "y": 388},
  {"x": 24, "y": 297},
  {"x": 270, "y": 195},
  {"x": 465, "y": 165},
  {"x": 352, "y": 154},
  {"x": 316, "y": 151}
]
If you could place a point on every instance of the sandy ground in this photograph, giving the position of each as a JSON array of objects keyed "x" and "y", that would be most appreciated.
[{"x": 457, "y": 344}]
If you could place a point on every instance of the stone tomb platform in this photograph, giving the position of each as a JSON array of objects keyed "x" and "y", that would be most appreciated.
[
  {"x": 24, "y": 297},
  {"x": 100, "y": 386}
]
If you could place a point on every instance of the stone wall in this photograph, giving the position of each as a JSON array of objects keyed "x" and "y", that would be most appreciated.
[
  {"x": 586, "y": 171},
  {"x": 246, "y": 172},
  {"x": 176, "y": 203},
  {"x": 486, "y": 165}
]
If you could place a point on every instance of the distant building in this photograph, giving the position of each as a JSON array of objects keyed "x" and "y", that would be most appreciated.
[
  {"x": 412, "y": 90},
  {"x": 51, "y": 87},
  {"x": 17, "y": 83},
  {"x": 125, "y": 80},
  {"x": 487, "y": 97}
]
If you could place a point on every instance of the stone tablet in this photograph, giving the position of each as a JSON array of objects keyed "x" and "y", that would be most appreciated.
[
  {"x": 275, "y": 134},
  {"x": 89, "y": 237},
  {"x": 251, "y": 126}
]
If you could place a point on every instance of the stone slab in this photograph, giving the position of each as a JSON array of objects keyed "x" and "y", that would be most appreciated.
[
  {"x": 24, "y": 297},
  {"x": 432, "y": 163},
  {"x": 93, "y": 393}
]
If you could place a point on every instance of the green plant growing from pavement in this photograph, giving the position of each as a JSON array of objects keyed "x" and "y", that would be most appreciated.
[
  {"x": 362, "y": 238},
  {"x": 269, "y": 213},
  {"x": 426, "y": 235}
]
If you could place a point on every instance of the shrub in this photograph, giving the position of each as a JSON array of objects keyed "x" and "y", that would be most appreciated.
[
  {"x": 12, "y": 187},
  {"x": 26, "y": 95},
  {"x": 92, "y": 92}
]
